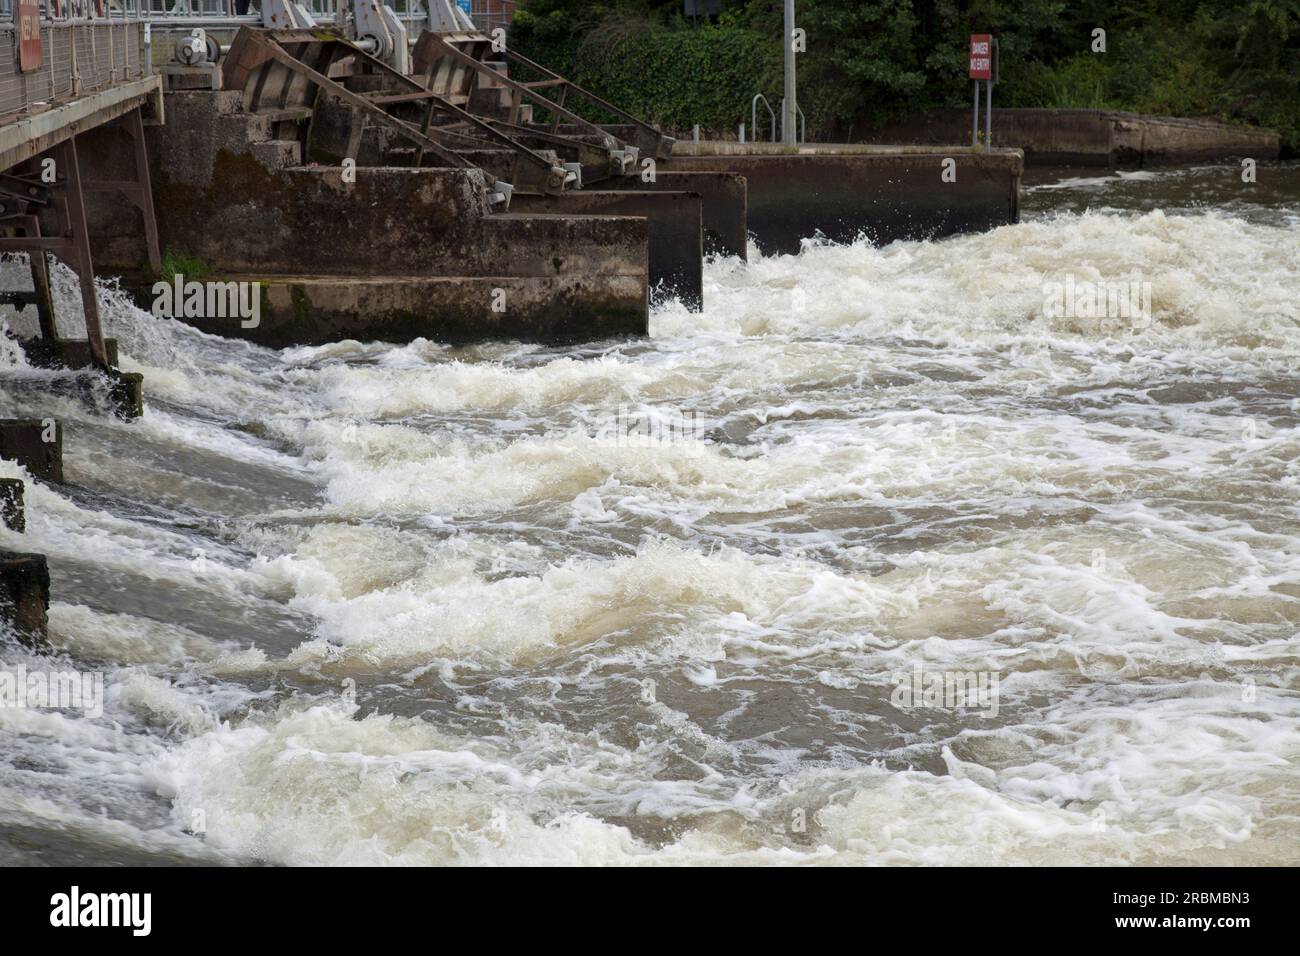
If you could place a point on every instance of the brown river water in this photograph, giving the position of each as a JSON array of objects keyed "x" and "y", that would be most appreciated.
[{"x": 683, "y": 600}]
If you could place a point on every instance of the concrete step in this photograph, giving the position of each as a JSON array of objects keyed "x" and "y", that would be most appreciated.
[
  {"x": 676, "y": 252},
  {"x": 251, "y": 127},
  {"x": 314, "y": 310},
  {"x": 724, "y": 197}
]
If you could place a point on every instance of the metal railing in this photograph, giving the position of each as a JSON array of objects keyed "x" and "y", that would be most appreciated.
[
  {"x": 65, "y": 11},
  {"x": 485, "y": 13},
  {"x": 85, "y": 46},
  {"x": 88, "y": 44},
  {"x": 753, "y": 115},
  {"x": 490, "y": 14}
]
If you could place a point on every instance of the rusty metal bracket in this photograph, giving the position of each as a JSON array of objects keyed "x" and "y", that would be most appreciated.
[{"x": 431, "y": 47}]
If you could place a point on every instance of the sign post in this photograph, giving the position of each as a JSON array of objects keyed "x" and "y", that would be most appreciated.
[{"x": 982, "y": 63}]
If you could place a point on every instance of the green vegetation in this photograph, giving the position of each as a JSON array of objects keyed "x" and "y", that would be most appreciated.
[
  {"x": 174, "y": 264},
  {"x": 668, "y": 73},
  {"x": 870, "y": 61}
]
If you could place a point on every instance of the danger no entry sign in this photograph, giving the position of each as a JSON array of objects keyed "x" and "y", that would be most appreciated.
[{"x": 981, "y": 56}]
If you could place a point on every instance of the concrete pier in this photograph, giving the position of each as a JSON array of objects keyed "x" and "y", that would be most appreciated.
[
  {"x": 35, "y": 444},
  {"x": 842, "y": 192},
  {"x": 25, "y": 595}
]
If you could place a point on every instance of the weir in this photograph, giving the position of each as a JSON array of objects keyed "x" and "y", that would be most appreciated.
[
  {"x": 466, "y": 190},
  {"x": 354, "y": 170}
]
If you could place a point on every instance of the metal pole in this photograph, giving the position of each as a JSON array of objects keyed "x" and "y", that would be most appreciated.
[
  {"x": 80, "y": 259},
  {"x": 988, "y": 113},
  {"x": 135, "y": 124},
  {"x": 788, "y": 130},
  {"x": 975, "y": 118}
]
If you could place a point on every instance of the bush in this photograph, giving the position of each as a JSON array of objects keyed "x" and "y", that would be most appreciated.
[{"x": 674, "y": 78}]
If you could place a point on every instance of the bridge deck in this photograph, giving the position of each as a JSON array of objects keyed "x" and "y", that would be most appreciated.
[{"x": 85, "y": 72}]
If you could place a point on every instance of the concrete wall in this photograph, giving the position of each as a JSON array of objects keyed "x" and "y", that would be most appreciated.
[
  {"x": 844, "y": 192},
  {"x": 1089, "y": 137}
]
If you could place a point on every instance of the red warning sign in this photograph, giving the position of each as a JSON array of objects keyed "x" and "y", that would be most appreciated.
[{"x": 981, "y": 56}]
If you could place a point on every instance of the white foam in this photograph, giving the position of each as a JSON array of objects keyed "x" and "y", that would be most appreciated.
[{"x": 903, "y": 461}]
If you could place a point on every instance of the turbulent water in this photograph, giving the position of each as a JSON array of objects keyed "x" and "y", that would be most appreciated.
[{"x": 414, "y": 604}]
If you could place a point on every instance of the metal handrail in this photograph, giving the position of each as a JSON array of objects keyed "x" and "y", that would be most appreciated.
[
  {"x": 753, "y": 115},
  {"x": 491, "y": 11}
]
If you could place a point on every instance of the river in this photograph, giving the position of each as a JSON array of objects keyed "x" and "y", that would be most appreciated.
[{"x": 666, "y": 601}]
